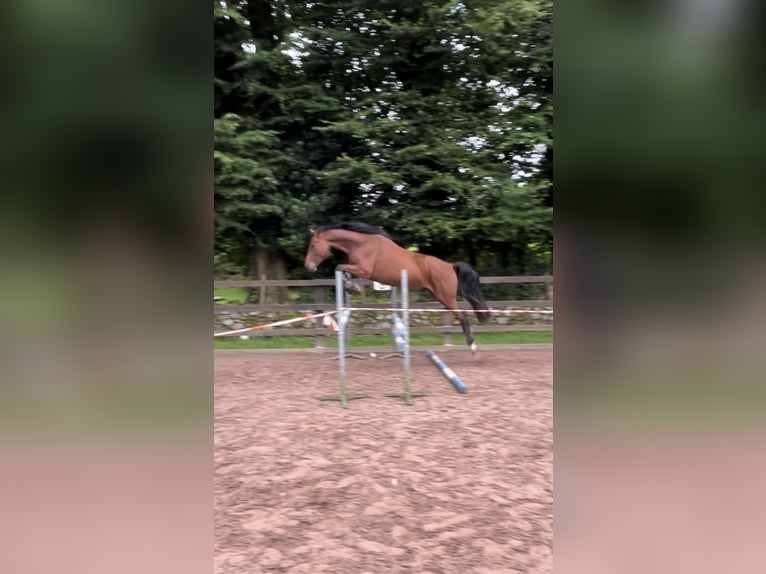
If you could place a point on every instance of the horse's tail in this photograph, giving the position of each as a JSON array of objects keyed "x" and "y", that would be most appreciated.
[{"x": 468, "y": 286}]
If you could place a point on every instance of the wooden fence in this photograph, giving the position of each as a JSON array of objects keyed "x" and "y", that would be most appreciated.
[{"x": 320, "y": 304}]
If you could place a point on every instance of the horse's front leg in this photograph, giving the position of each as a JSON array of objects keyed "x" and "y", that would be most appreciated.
[
  {"x": 356, "y": 270},
  {"x": 349, "y": 270}
]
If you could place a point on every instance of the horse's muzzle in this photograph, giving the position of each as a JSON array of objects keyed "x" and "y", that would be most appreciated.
[{"x": 311, "y": 266}]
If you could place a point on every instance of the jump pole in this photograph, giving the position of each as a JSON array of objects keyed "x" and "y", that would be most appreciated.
[
  {"x": 408, "y": 394},
  {"x": 447, "y": 372},
  {"x": 397, "y": 329},
  {"x": 343, "y": 317},
  {"x": 345, "y": 302}
]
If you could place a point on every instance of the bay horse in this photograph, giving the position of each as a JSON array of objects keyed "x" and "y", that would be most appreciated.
[{"x": 373, "y": 255}]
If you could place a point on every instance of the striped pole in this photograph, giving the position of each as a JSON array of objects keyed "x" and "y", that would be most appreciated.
[
  {"x": 397, "y": 329},
  {"x": 343, "y": 316},
  {"x": 342, "y": 281},
  {"x": 447, "y": 372},
  {"x": 404, "y": 328}
]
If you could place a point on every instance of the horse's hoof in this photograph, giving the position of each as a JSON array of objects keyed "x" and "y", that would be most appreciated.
[
  {"x": 352, "y": 288},
  {"x": 473, "y": 348}
]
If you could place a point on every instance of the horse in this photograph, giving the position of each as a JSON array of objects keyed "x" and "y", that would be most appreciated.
[{"x": 372, "y": 254}]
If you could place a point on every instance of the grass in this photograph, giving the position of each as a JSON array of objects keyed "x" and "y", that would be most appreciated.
[
  {"x": 417, "y": 340},
  {"x": 231, "y": 295}
]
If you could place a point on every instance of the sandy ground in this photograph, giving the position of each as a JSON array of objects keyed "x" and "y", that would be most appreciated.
[{"x": 455, "y": 483}]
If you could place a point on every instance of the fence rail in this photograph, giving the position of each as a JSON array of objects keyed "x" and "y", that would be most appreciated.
[
  {"x": 447, "y": 329},
  {"x": 256, "y": 308},
  {"x": 331, "y": 282}
]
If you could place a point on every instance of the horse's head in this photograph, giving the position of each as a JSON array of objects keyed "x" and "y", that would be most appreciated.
[{"x": 318, "y": 251}]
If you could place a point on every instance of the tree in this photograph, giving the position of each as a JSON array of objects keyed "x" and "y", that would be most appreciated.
[
  {"x": 250, "y": 203},
  {"x": 450, "y": 119},
  {"x": 433, "y": 119}
]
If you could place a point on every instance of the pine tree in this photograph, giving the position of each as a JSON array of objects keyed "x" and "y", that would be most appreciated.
[{"x": 433, "y": 119}]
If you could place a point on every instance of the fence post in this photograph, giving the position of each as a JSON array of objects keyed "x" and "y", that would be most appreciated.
[{"x": 262, "y": 293}]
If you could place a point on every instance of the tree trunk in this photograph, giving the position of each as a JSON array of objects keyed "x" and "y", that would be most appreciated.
[{"x": 264, "y": 262}]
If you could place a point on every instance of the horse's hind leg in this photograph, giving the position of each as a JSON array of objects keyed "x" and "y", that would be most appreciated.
[
  {"x": 464, "y": 324},
  {"x": 444, "y": 290}
]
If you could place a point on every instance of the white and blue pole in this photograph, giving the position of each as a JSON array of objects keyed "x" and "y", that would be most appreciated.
[
  {"x": 402, "y": 341},
  {"x": 447, "y": 372},
  {"x": 343, "y": 317}
]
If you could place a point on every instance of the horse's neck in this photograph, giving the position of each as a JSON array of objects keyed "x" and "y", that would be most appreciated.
[{"x": 343, "y": 240}]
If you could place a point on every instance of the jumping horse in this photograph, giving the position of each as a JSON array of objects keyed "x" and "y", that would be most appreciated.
[{"x": 373, "y": 255}]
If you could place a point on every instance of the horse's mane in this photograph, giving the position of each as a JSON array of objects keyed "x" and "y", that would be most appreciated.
[{"x": 355, "y": 226}]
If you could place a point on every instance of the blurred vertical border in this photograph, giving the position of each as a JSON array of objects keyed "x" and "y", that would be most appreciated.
[
  {"x": 105, "y": 300},
  {"x": 660, "y": 373}
]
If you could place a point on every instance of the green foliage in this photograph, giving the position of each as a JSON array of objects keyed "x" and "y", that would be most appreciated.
[{"x": 433, "y": 119}]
